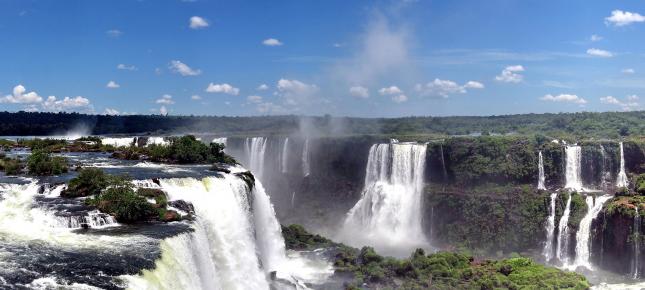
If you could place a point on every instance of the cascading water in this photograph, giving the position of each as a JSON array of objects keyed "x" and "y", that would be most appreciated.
[
  {"x": 285, "y": 156},
  {"x": 573, "y": 170},
  {"x": 605, "y": 174},
  {"x": 388, "y": 215},
  {"x": 254, "y": 149},
  {"x": 563, "y": 234},
  {"x": 583, "y": 237},
  {"x": 550, "y": 230},
  {"x": 91, "y": 219},
  {"x": 443, "y": 164},
  {"x": 637, "y": 247},
  {"x": 118, "y": 142},
  {"x": 541, "y": 178},
  {"x": 306, "y": 170},
  {"x": 621, "y": 181},
  {"x": 157, "y": 141}
]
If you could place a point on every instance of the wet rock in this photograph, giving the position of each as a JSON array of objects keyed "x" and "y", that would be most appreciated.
[{"x": 182, "y": 205}]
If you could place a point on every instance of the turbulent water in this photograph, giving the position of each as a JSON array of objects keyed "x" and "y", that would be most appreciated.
[
  {"x": 583, "y": 236},
  {"x": 388, "y": 215},
  {"x": 254, "y": 150},
  {"x": 550, "y": 230},
  {"x": 563, "y": 234},
  {"x": 573, "y": 170},
  {"x": 541, "y": 178},
  {"x": 621, "y": 180}
]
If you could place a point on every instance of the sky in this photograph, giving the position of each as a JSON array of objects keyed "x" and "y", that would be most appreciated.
[{"x": 345, "y": 58}]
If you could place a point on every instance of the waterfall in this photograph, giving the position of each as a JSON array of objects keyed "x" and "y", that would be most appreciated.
[
  {"x": 254, "y": 149},
  {"x": 306, "y": 170},
  {"x": 550, "y": 229},
  {"x": 118, "y": 142},
  {"x": 621, "y": 181},
  {"x": 443, "y": 164},
  {"x": 541, "y": 177},
  {"x": 92, "y": 219},
  {"x": 157, "y": 141},
  {"x": 573, "y": 170},
  {"x": 267, "y": 230},
  {"x": 388, "y": 215},
  {"x": 605, "y": 174},
  {"x": 285, "y": 155},
  {"x": 583, "y": 237},
  {"x": 637, "y": 242},
  {"x": 563, "y": 234}
]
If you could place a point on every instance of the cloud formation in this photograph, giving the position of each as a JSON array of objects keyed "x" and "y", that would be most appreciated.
[
  {"x": 197, "y": 22},
  {"x": 623, "y": 18},
  {"x": 222, "y": 88},
  {"x": 445, "y": 88},
  {"x": 66, "y": 104},
  {"x": 165, "y": 99},
  {"x": 631, "y": 102},
  {"x": 395, "y": 92},
  {"x": 565, "y": 98},
  {"x": 114, "y": 33},
  {"x": 599, "y": 52},
  {"x": 595, "y": 38},
  {"x": 123, "y": 66},
  {"x": 195, "y": 97},
  {"x": 112, "y": 85},
  {"x": 183, "y": 69},
  {"x": 359, "y": 92},
  {"x": 510, "y": 74},
  {"x": 272, "y": 42},
  {"x": 19, "y": 96},
  {"x": 263, "y": 87},
  {"x": 628, "y": 71}
]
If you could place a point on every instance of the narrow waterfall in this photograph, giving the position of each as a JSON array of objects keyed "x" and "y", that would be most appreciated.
[
  {"x": 637, "y": 245},
  {"x": 583, "y": 237},
  {"x": 573, "y": 170},
  {"x": 388, "y": 215},
  {"x": 621, "y": 181},
  {"x": 541, "y": 177},
  {"x": 254, "y": 149},
  {"x": 443, "y": 164},
  {"x": 605, "y": 174},
  {"x": 267, "y": 230},
  {"x": 285, "y": 156},
  {"x": 306, "y": 169},
  {"x": 550, "y": 230},
  {"x": 563, "y": 234}
]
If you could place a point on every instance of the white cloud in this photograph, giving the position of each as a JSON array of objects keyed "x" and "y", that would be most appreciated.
[
  {"x": 114, "y": 33},
  {"x": 595, "y": 38},
  {"x": 222, "y": 88},
  {"x": 510, "y": 74},
  {"x": 609, "y": 100},
  {"x": 599, "y": 52},
  {"x": 359, "y": 92},
  {"x": 622, "y": 18},
  {"x": 197, "y": 22},
  {"x": 19, "y": 96},
  {"x": 628, "y": 71},
  {"x": 163, "y": 110},
  {"x": 392, "y": 90},
  {"x": 295, "y": 92},
  {"x": 165, "y": 99},
  {"x": 112, "y": 85},
  {"x": 195, "y": 97},
  {"x": 109, "y": 111},
  {"x": 630, "y": 104},
  {"x": 568, "y": 98},
  {"x": 444, "y": 88},
  {"x": 633, "y": 98},
  {"x": 399, "y": 98},
  {"x": 272, "y": 42},
  {"x": 254, "y": 99},
  {"x": 66, "y": 104},
  {"x": 183, "y": 69},
  {"x": 126, "y": 67},
  {"x": 270, "y": 108},
  {"x": 263, "y": 87}
]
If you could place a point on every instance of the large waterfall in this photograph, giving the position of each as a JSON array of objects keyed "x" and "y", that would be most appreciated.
[
  {"x": 583, "y": 247},
  {"x": 562, "y": 249},
  {"x": 306, "y": 167},
  {"x": 541, "y": 177},
  {"x": 284, "y": 162},
  {"x": 388, "y": 215},
  {"x": 254, "y": 149},
  {"x": 573, "y": 170},
  {"x": 621, "y": 181},
  {"x": 550, "y": 230}
]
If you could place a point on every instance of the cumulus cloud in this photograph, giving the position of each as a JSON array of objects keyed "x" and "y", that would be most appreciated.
[
  {"x": 567, "y": 98},
  {"x": 112, "y": 85},
  {"x": 399, "y": 98},
  {"x": 622, "y": 18},
  {"x": 110, "y": 111},
  {"x": 595, "y": 38},
  {"x": 165, "y": 99},
  {"x": 123, "y": 66},
  {"x": 295, "y": 92},
  {"x": 631, "y": 102},
  {"x": 263, "y": 87},
  {"x": 396, "y": 94},
  {"x": 599, "y": 52},
  {"x": 222, "y": 88},
  {"x": 183, "y": 69},
  {"x": 445, "y": 88},
  {"x": 628, "y": 71},
  {"x": 66, "y": 104},
  {"x": 609, "y": 100},
  {"x": 114, "y": 33},
  {"x": 20, "y": 97},
  {"x": 254, "y": 99},
  {"x": 510, "y": 74},
  {"x": 195, "y": 97},
  {"x": 272, "y": 42},
  {"x": 197, "y": 22},
  {"x": 359, "y": 92}
]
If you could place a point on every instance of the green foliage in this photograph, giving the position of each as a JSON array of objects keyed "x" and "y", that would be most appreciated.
[
  {"x": 40, "y": 162},
  {"x": 11, "y": 166},
  {"x": 297, "y": 238},
  {"x": 122, "y": 202},
  {"x": 90, "y": 181},
  {"x": 183, "y": 150},
  {"x": 578, "y": 210},
  {"x": 639, "y": 184},
  {"x": 51, "y": 145}
]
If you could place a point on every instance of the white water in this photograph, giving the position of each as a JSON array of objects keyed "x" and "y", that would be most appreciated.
[
  {"x": 118, "y": 142},
  {"x": 541, "y": 177},
  {"x": 550, "y": 230},
  {"x": 637, "y": 247},
  {"x": 285, "y": 156},
  {"x": 254, "y": 149},
  {"x": 605, "y": 175},
  {"x": 93, "y": 219},
  {"x": 563, "y": 234},
  {"x": 157, "y": 141},
  {"x": 388, "y": 215},
  {"x": 583, "y": 236},
  {"x": 220, "y": 140},
  {"x": 306, "y": 170},
  {"x": 573, "y": 170},
  {"x": 621, "y": 181}
]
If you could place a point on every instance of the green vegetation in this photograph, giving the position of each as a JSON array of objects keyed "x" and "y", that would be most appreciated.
[
  {"x": 50, "y": 145},
  {"x": 182, "y": 150},
  {"x": 441, "y": 270},
  {"x": 90, "y": 181},
  {"x": 639, "y": 184},
  {"x": 11, "y": 166},
  {"x": 121, "y": 201},
  {"x": 40, "y": 162}
]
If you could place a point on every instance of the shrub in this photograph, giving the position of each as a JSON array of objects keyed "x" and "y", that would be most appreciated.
[
  {"x": 40, "y": 162},
  {"x": 124, "y": 204},
  {"x": 11, "y": 166},
  {"x": 90, "y": 181}
]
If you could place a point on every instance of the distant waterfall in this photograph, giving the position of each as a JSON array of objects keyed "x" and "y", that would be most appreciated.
[
  {"x": 541, "y": 177},
  {"x": 621, "y": 181},
  {"x": 254, "y": 149},
  {"x": 583, "y": 237},
  {"x": 563, "y": 234},
  {"x": 443, "y": 164},
  {"x": 550, "y": 230},
  {"x": 285, "y": 156},
  {"x": 118, "y": 142},
  {"x": 306, "y": 169},
  {"x": 573, "y": 170},
  {"x": 388, "y": 215},
  {"x": 637, "y": 245},
  {"x": 605, "y": 174}
]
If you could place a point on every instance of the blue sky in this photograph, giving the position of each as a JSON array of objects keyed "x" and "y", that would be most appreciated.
[{"x": 345, "y": 58}]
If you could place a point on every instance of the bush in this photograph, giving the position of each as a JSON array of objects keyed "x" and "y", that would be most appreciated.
[
  {"x": 124, "y": 204},
  {"x": 90, "y": 181},
  {"x": 40, "y": 162},
  {"x": 11, "y": 166}
]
